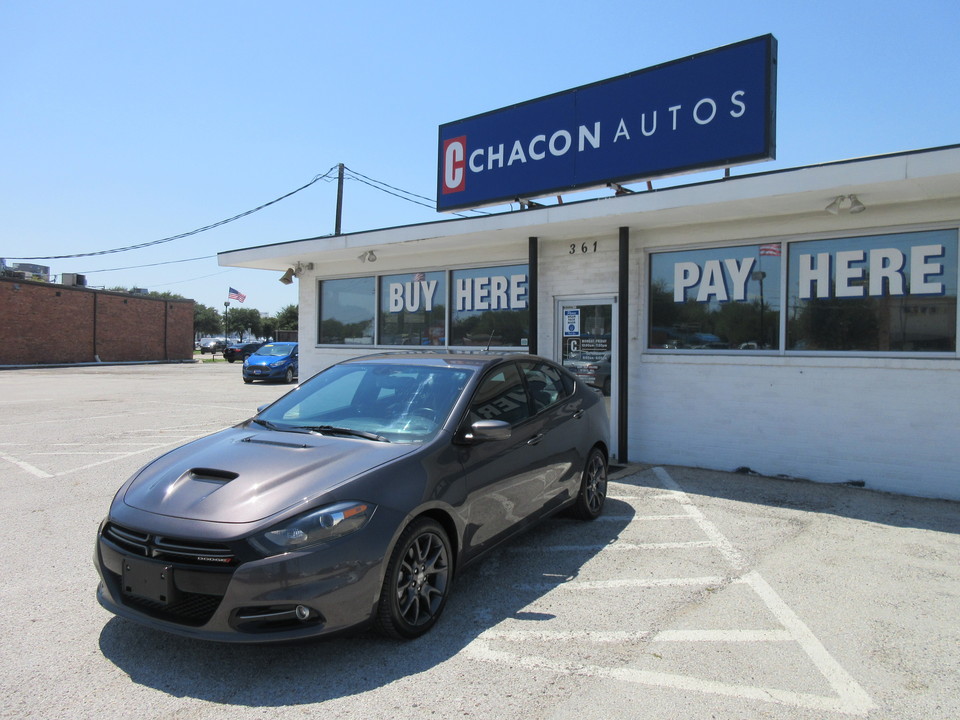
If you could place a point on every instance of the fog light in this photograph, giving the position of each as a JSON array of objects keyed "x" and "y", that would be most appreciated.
[{"x": 302, "y": 612}]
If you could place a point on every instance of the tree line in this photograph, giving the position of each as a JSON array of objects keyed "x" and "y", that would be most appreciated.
[{"x": 208, "y": 321}]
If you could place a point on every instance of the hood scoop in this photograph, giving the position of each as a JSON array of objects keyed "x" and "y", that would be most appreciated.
[{"x": 209, "y": 475}]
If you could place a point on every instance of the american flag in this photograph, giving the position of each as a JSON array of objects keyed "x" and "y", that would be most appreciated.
[
  {"x": 419, "y": 277},
  {"x": 771, "y": 249},
  {"x": 235, "y": 294}
]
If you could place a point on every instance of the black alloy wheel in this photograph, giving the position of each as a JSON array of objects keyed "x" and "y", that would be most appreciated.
[
  {"x": 593, "y": 487},
  {"x": 417, "y": 581}
]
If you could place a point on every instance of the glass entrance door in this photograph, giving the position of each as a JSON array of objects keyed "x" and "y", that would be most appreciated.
[{"x": 588, "y": 338}]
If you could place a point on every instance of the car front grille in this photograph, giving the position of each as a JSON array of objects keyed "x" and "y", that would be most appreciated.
[
  {"x": 201, "y": 571},
  {"x": 161, "y": 547}
]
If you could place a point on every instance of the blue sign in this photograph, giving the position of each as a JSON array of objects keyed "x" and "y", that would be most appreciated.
[{"x": 714, "y": 109}]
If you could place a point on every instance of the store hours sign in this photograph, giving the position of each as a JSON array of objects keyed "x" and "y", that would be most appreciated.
[{"x": 714, "y": 109}]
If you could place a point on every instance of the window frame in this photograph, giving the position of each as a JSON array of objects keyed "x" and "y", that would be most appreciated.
[
  {"x": 448, "y": 300},
  {"x": 787, "y": 242}
]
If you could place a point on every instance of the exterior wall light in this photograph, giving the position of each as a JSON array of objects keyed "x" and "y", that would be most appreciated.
[{"x": 295, "y": 271}]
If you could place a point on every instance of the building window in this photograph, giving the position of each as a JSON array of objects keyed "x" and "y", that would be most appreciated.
[
  {"x": 489, "y": 307},
  {"x": 347, "y": 311},
  {"x": 413, "y": 309},
  {"x": 716, "y": 299},
  {"x": 880, "y": 293}
]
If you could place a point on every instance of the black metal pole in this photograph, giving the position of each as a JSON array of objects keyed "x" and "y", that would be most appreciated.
[
  {"x": 623, "y": 345},
  {"x": 532, "y": 283},
  {"x": 336, "y": 227}
]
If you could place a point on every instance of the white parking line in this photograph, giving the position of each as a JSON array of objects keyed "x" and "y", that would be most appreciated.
[
  {"x": 620, "y": 546},
  {"x": 617, "y": 636},
  {"x": 676, "y": 682},
  {"x": 622, "y": 583},
  {"x": 850, "y": 696},
  {"x": 629, "y": 518},
  {"x": 37, "y": 472}
]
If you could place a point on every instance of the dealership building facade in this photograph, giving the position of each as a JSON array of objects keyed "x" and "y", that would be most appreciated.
[{"x": 801, "y": 322}]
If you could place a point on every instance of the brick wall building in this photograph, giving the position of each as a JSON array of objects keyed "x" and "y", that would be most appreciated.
[{"x": 43, "y": 323}]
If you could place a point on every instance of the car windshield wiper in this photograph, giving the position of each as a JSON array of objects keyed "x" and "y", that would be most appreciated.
[
  {"x": 333, "y": 430},
  {"x": 272, "y": 426}
]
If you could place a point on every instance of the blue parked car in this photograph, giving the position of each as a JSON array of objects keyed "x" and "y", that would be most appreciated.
[{"x": 273, "y": 361}]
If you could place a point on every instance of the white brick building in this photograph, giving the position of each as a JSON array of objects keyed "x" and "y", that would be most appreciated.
[{"x": 748, "y": 326}]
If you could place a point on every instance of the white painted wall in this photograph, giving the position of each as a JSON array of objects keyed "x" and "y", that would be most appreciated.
[
  {"x": 889, "y": 423},
  {"x": 892, "y": 423}
]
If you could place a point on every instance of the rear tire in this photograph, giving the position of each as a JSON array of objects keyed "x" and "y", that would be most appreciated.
[
  {"x": 417, "y": 581},
  {"x": 593, "y": 487}
]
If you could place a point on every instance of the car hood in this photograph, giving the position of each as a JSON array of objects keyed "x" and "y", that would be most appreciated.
[
  {"x": 267, "y": 359},
  {"x": 242, "y": 474}
]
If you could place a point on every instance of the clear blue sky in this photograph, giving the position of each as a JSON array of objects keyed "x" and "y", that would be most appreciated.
[{"x": 127, "y": 122}]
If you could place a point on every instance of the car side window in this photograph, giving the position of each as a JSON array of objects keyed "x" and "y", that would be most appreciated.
[
  {"x": 501, "y": 396},
  {"x": 545, "y": 384}
]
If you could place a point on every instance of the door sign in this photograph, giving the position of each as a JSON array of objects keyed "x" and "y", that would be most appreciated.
[{"x": 571, "y": 322}]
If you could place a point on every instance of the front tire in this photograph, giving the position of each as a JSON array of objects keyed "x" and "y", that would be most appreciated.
[
  {"x": 417, "y": 581},
  {"x": 593, "y": 487},
  {"x": 248, "y": 380},
  {"x": 289, "y": 376}
]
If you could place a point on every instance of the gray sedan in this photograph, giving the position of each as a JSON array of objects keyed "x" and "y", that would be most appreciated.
[{"x": 354, "y": 499}]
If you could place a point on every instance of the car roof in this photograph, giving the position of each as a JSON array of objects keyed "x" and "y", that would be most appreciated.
[{"x": 478, "y": 359}]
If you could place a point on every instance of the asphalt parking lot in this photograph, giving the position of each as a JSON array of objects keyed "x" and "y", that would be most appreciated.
[{"x": 697, "y": 595}]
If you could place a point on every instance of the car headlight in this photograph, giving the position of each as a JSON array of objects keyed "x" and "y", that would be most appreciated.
[
  {"x": 317, "y": 526},
  {"x": 278, "y": 363}
]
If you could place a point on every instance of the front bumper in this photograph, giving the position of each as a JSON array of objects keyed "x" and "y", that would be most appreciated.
[
  {"x": 257, "y": 601},
  {"x": 264, "y": 372}
]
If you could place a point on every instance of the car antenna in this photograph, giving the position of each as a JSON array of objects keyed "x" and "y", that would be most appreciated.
[{"x": 489, "y": 340}]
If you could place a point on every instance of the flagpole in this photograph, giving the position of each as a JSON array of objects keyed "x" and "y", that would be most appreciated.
[{"x": 226, "y": 306}]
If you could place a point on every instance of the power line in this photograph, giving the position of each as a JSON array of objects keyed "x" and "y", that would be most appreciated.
[
  {"x": 354, "y": 175},
  {"x": 181, "y": 235},
  {"x": 134, "y": 267},
  {"x": 375, "y": 184}
]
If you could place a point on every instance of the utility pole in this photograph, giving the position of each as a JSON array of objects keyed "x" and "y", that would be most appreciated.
[{"x": 336, "y": 228}]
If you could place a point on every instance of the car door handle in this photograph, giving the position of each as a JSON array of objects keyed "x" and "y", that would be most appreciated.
[
  {"x": 535, "y": 439},
  {"x": 578, "y": 414}
]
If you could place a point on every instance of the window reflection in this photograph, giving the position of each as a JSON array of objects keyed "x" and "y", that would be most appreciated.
[
  {"x": 489, "y": 307},
  {"x": 875, "y": 293},
  {"x": 347, "y": 309},
  {"x": 413, "y": 308},
  {"x": 716, "y": 299}
]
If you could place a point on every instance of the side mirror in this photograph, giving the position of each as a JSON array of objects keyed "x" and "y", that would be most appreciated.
[{"x": 483, "y": 430}]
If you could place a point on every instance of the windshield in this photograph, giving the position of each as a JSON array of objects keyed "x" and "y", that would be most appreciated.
[
  {"x": 275, "y": 350},
  {"x": 401, "y": 403}
]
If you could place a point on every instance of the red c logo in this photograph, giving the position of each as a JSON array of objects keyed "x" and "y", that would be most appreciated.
[{"x": 454, "y": 165}]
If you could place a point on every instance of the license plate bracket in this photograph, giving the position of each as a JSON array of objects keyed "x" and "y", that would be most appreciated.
[{"x": 149, "y": 580}]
